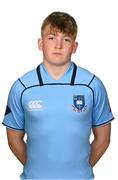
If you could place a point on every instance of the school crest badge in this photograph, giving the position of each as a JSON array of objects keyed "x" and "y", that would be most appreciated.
[{"x": 79, "y": 103}]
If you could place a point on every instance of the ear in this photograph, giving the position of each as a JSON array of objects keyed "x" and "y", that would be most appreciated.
[
  {"x": 75, "y": 47},
  {"x": 40, "y": 44}
]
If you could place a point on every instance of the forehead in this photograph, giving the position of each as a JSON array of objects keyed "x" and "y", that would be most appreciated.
[{"x": 55, "y": 31}]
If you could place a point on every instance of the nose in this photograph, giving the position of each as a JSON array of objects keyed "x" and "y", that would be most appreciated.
[{"x": 58, "y": 43}]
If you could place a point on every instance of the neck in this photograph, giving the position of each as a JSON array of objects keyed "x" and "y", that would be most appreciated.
[{"x": 56, "y": 71}]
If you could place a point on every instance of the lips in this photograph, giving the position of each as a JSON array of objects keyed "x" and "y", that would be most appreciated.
[{"x": 57, "y": 53}]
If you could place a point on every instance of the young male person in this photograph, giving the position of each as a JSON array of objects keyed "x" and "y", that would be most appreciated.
[{"x": 57, "y": 105}]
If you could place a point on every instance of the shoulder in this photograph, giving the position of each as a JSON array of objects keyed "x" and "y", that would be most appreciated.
[
  {"x": 28, "y": 79},
  {"x": 84, "y": 76}
]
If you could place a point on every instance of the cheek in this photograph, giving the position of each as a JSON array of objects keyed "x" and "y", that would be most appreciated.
[
  {"x": 46, "y": 50},
  {"x": 47, "y": 46},
  {"x": 69, "y": 50}
]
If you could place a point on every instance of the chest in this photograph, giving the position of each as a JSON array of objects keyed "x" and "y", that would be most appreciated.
[{"x": 52, "y": 108}]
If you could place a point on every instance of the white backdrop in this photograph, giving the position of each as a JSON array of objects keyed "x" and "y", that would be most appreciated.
[{"x": 20, "y": 22}]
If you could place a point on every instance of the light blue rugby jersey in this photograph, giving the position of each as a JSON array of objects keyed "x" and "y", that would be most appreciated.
[{"x": 57, "y": 116}]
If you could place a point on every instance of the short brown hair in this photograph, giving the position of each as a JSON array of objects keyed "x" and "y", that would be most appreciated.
[{"x": 60, "y": 21}]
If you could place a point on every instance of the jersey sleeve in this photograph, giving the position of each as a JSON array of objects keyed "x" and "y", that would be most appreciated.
[
  {"x": 102, "y": 113},
  {"x": 14, "y": 115}
]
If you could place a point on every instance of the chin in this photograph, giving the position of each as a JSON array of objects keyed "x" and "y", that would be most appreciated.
[{"x": 59, "y": 62}]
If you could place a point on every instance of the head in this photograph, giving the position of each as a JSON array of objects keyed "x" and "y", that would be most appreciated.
[
  {"x": 60, "y": 22},
  {"x": 58, "y": 35}
]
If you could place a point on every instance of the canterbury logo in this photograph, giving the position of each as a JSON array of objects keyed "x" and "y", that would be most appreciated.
[{"x": 35, "y": 105}]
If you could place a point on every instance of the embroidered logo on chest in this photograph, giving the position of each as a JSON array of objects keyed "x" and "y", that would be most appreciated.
[
  {"x": 79, "y": 103},
  {"x": 35, "y": 105}
]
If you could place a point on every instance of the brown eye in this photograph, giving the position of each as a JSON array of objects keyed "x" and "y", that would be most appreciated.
[
  {"x": 51, "y": 38},
  {"x": 67, "y": 39}
]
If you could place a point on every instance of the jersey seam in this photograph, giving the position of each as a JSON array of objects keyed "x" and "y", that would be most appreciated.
[
  {"x": 22, "y": 91},
  {"x": 103, "y": 123},
  {"x": 92, "y": 88},
  {"x": 22, "y": 83},
  {"x": 12, "y": 127},
  {"x": 39, "y": 76},
  {"x": 91, "y": 80},
  {"x": 55, "y": 84}
]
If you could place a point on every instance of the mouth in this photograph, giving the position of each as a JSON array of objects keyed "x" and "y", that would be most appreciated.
[{"x": 57, "y": 53}]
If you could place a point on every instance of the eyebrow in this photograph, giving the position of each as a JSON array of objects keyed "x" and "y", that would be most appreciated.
[{"x": 55, "y": 34}]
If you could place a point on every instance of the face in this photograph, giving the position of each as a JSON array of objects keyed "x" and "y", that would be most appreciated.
[{"x": 57, "y": 47}]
